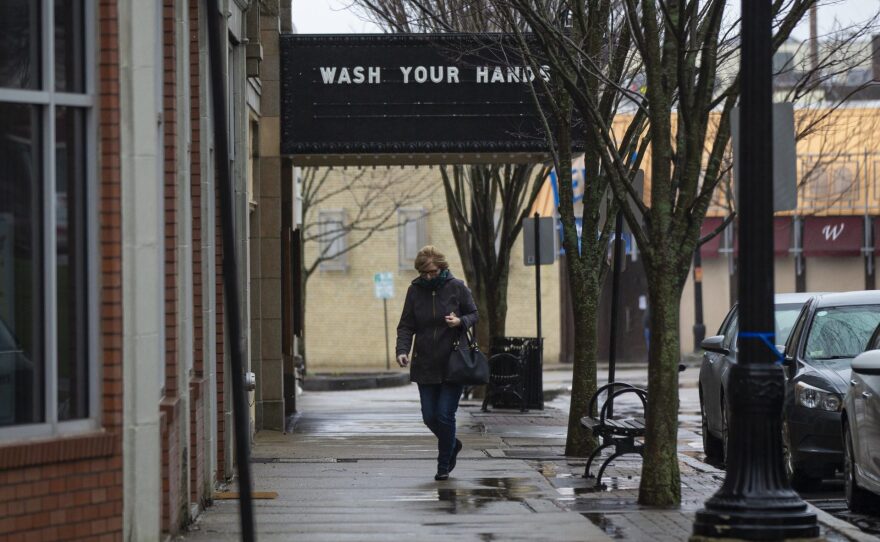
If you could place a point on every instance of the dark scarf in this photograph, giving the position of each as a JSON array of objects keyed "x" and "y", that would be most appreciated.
[{"x": 436, "y": 282}]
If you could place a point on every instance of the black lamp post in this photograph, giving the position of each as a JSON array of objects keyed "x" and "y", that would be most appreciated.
[
  {"x": 756, "y": 502},
  {"x": 699, "y": 326}
]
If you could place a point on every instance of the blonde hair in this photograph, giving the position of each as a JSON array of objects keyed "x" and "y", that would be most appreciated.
[{"x": 430, "y": 254}]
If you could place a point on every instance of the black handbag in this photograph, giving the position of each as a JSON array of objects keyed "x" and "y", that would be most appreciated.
[{"x": 467, "y": 365}]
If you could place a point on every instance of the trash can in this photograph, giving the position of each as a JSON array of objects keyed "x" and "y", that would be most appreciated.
[{"x": 516, "y": 373}]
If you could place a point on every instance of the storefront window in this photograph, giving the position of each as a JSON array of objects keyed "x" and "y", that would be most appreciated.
[
  {"x": 69, "y": 43},
  {"x": 21, "y": 359},
  {"x": 20, "y": 49},
  {"x": 46, "y": 140}
]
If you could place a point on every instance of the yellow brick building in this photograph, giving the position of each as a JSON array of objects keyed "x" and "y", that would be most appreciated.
[{"x": 344, "y": 327}]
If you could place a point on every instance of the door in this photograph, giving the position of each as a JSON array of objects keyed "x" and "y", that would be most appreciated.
[{"x": 869, "y": 426}]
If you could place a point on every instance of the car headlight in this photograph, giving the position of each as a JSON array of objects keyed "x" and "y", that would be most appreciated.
[{"x": 812, "y": 397}]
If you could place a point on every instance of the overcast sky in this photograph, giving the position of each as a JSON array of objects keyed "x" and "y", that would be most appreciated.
[{"x": 334, "y": 17}]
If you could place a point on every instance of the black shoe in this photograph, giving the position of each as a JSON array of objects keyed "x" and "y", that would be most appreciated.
[
  {"x": 440, "y": 476},
  {"x": 457, "y": 449}
]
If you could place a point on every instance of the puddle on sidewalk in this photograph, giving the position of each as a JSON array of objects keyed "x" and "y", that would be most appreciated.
[
  {"x": 470, "y": 499},
  {"x": 608, "y": 484},
  {"x": 602, "y": 521}
]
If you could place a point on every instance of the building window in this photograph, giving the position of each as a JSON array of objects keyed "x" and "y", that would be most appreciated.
[
  {"x": 333, "y": 239},
  {"x": 412, "y": 227},
  {"x": 47, "y": 225}
]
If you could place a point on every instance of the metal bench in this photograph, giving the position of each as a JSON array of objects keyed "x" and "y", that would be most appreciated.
[{"x": 618, "y": 433}]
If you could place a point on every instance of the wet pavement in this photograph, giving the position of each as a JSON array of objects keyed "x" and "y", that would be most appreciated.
[{"x": 359, "y": 465}]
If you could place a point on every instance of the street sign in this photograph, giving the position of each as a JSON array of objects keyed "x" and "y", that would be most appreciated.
[
  {"x": 784, "y": 155},
  {"x": 545, "y": 240},
  {"x": 383, "y": 285}
]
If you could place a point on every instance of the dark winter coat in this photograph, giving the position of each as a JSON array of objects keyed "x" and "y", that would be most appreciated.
[{"x": 423, "y": 316}]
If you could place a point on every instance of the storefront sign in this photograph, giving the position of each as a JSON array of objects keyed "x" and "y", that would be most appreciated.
[
  {"x": 403, "y": 98},
  {"x": 833, "y": 235}
]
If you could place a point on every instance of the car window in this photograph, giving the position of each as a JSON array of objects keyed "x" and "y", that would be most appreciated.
[
  {"x": 731, "y": 331},
  {"x": 722, "y": 329},
  {"x": 785, "y": 317},
  {"x": 795, "y": 335},
  {"x": 874, "y": 342},
  {"x": 841, "y": 332}
]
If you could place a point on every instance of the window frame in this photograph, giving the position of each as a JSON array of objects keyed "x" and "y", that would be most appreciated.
[
  {"x": 419, "y": 216},
  {"x": 340, "y": 261},
  {"x": 48, "y": 99}
]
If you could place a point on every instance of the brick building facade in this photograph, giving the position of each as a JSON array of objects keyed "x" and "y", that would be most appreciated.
[{"x": 114, "y": 362}]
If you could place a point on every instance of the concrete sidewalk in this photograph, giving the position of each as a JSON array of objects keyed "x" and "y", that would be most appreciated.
[{"x": 359, "y": 465}]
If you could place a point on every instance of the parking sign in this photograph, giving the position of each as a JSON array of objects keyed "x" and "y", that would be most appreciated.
[{"x": 383, "y": 285}]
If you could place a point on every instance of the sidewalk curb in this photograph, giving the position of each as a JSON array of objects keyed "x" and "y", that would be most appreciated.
[
  {"x": 845, "y": 528},
  {"x": 354, "y": 381}
]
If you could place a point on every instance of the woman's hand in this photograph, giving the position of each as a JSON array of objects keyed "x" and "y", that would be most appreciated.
[
  {"x": 403, "y": 360},
  {"x": 452, "y": 320}
]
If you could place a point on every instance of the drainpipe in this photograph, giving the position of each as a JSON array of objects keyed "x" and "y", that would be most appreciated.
[{"x": 216, "y": 51}]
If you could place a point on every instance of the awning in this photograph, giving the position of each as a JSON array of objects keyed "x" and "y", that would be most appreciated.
[
  {"x": 833, "y": 235},
  {"x": 782, "y": 236},
  {"x": 710, "y": 247},
  {"x": 876, "y": 231}
]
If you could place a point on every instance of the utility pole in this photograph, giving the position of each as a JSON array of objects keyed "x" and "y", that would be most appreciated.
[{"x": 756, "y": 502}]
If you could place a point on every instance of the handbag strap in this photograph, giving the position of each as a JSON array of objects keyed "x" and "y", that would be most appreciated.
[{"x": 471, "y": 338}]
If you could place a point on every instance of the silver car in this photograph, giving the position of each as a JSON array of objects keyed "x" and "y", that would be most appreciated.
[{"x": 861, "y": 430}]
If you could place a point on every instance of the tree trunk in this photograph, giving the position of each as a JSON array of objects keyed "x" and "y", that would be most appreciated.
[
  {"x": 585, "y": 300},
  {"x": 661, "y": 481}
]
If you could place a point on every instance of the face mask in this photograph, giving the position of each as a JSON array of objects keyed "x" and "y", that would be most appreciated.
[{"x": 436, "y": 282}]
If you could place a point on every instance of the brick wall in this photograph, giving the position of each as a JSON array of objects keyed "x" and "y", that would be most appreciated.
[
  {"x": 198, "y": 386},
  {"x": 174, "y": 466},
  {"x": 197, "y": 438},
  {"x": 71, "y": 488},
  {"x": 223, "y": 470}
]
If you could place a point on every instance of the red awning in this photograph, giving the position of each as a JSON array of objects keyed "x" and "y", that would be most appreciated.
[
  {"x": 876, "y": 222},
  {"x": 833, "y": 235},
  {"x": 782, "y": 239},
  {"x": 710, "y": 248}
]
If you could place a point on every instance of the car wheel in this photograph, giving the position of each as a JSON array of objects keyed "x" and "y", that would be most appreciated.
[
  {"x": 858, "y": 500},
  {"x": 712, "y": 445},
  {"x": 797, "y": 478}
]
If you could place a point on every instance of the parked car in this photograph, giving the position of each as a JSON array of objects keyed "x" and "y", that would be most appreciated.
[
  {"x": 719, "y": 355},
  {"x": 830, "y": 331},
  {"x": 861, "y": 430}
]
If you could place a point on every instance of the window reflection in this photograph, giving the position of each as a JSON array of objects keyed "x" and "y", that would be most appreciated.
[
  {"x": 21, "y": 359},
  {"x": 70, "y": 184},
  {"x": 20, "y": 43},
  {"x": 69, "y": 46}
]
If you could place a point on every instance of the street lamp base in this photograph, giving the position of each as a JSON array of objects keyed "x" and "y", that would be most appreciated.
[{"x": 724, "y": 519}]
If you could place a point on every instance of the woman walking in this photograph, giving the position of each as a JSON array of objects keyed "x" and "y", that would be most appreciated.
[{"x": 437, "y": 310}]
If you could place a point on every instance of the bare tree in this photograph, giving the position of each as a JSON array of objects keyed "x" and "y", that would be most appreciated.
[
  {"x": 371, "y": 203},
  {"x": 485, "y": 203},
  {"x": 586, "y": 261},
  {"x": 370, "y": 200},
  {"x": 681, "y": 46},
  {"x": 816, "y": 75}
]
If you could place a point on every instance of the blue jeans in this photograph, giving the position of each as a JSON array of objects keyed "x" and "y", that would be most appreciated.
[{"x": 439, "y": 403}]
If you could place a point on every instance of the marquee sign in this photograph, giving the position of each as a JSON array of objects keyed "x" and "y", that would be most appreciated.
[{"x": 409, "y": 98}]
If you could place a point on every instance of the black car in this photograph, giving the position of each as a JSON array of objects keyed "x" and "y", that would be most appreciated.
[
  {"x": 830, "y": 331},
  {"x": 715, "y": 368}
]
